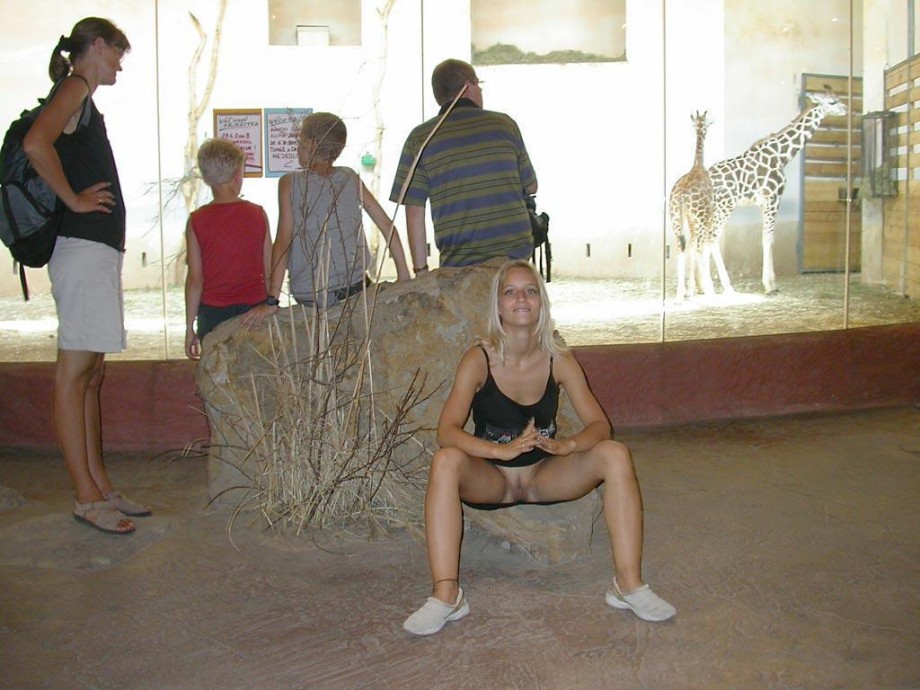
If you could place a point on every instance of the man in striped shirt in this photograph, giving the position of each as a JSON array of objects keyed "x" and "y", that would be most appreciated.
[{"x": 475, "y": 170}]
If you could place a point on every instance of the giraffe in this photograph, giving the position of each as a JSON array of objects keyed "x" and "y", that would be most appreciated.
[
  {"x": 690, "y": 206},
  {"x": 757, "y": 177}
]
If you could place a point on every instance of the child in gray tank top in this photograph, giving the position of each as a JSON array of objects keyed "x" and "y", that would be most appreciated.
[{"x": 320, "y": 239}]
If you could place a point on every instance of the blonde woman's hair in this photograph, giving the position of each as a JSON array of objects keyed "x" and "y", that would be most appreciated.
[
  {"x": 544, "y": 330},
  {"x": 219, "y": 160}
]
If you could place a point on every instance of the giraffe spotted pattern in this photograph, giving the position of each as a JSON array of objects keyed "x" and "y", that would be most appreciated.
[
  {"x": 691, "y": 210},
  {"x": 757, "y": 177}
]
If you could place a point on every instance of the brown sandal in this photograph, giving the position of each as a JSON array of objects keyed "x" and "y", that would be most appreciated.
[
  {"x": 126, "y": 506},
  {"x": 102, "y": 516}
]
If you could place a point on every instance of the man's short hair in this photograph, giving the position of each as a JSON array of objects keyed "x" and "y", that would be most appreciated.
[
  {"x": 328, "y": 134},
  {"x": 449, "y": 77},
  {"x": 219, "y": 160}
]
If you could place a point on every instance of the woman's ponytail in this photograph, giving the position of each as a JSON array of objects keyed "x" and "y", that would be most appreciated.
[{"x": 60, "y": 66}]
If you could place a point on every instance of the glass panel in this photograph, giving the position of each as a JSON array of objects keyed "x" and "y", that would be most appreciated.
[
  {"x": 604, "y": 102},
  {"x": 360, "y": 75},
  {"x": 596, "y": 153},
  {"x": 29, "y": 329},
  {"x": 745, "y": 68},
  {"x": 888, "y": 284}
]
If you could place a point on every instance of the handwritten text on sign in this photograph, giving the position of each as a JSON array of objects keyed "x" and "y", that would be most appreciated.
[
  {"x": 282, "y": 128},
  {"x": 243, "y": 128}
]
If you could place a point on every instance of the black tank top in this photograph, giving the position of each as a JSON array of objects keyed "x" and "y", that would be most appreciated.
[
  {"x": 500, "y": 419},
  {"x": 86, "y": 157}
]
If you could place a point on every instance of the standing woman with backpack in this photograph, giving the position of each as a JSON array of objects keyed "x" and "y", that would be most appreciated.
[{"x": 77, "y": 163}]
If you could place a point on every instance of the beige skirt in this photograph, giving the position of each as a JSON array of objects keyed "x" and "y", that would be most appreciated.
[{"x": 86, "y": 285}]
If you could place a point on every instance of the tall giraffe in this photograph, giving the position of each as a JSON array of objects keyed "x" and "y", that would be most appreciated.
[
  {"x": 757, "y": 176},
  {"x": 691, "y": 207}
]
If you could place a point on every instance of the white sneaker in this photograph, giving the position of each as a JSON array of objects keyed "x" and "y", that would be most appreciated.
[
  {"x": 435, "y": 614},
  {"x": 643, "y": 602}
]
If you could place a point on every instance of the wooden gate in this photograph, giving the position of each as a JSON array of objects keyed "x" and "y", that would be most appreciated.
[{"x": 823, "y": 220}]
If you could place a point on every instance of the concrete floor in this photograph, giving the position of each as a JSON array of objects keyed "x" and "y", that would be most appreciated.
[{"x": 790, "y": 546}]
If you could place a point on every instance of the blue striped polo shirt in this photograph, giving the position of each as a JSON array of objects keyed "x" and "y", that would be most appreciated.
[{"x": 474, "y": 171}]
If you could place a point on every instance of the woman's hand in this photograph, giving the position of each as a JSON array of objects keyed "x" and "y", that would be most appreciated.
[
  {"x": 524, "y": 443},
  {"x": 557, "y": 446},
  {"x": 96, "y": 198}
]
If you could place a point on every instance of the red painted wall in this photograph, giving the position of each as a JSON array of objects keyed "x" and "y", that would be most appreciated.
[
  {"x": 145, "y": 405},
  {"x": 667, "y": 383},
  {"x": 154, "y": 406}
]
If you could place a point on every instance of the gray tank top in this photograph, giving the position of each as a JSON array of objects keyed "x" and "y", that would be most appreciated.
[{"x": 329, "y": 250}]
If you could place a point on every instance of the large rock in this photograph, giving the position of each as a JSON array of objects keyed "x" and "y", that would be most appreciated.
[{"x": 418, "y": 332}]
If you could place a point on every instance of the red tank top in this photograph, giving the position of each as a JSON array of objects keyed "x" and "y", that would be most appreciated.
[{"x": 231, "y": 237}]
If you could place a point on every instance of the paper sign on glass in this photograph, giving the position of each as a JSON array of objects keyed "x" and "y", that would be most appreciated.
[
  {"x": 282, "y": 127},
  {"x": 244, "y": 128}
]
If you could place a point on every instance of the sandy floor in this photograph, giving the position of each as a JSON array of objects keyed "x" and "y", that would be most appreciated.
[
  {"x": 789, "y": 546},
  {"x": 587, "y": 312}
]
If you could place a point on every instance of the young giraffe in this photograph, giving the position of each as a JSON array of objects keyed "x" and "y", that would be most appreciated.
[
  {"x": 757, "y": 177},
  {"x": 691, "y": 206}
]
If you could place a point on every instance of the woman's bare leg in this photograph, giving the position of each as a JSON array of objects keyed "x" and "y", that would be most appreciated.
[
  {"x": 623, "y": 515},
  {"x": 72, "y": 375},
  {"x": 566, "y": 478},
  {"x": 454, "y": 475},
  {"x": 77, "y": 422},
  {"x": 571, "y": 477},
  {"x": 93, "y": 419}
]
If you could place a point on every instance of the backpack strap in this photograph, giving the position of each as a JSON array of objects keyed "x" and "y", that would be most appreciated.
[
  {"x": 87, "y": 104},
  {"x": 23, "y": 282}
]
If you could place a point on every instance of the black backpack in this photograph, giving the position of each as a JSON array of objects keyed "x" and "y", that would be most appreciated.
[
  {"x": 539, "y": 227},
  {"x": 31, "y": 211}
]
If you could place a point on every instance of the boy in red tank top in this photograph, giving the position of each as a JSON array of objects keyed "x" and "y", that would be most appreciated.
[{"x": 229, "y": 247}]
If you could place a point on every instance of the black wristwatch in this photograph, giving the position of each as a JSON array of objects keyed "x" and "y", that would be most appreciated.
[{"x": 272, "y": 301}]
